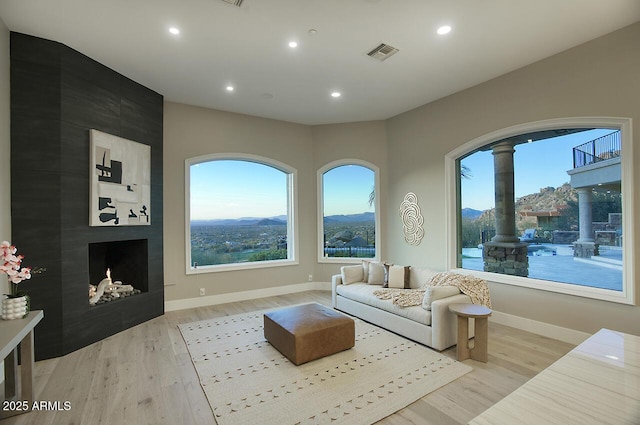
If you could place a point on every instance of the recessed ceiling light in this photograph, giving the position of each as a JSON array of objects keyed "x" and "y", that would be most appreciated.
[
  {"x": 174, "y": 30},
  {"x": 229, "y": 88},
  {"x": 293, "y": 44},
  {"x": 336, "y": 94},
  {"x": 445, "y": 29}
]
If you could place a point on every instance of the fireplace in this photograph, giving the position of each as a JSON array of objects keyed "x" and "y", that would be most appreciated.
[
  {"x": 125, "y": 260},
  {"x": 50, "y": 179}
]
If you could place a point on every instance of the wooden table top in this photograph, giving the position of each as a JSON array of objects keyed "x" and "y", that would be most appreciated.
[{"x": 470, "y": 310}]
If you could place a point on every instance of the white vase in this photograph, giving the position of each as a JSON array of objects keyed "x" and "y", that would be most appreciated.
[{"x": 15, "y": 308}]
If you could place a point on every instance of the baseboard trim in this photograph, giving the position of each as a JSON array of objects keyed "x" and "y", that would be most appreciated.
[
  {"x": 245, "y": 295},
  {"x": 545, "y": 329}
]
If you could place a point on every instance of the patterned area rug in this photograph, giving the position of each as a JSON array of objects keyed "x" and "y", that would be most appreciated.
[{"x": 247, "y": 381}]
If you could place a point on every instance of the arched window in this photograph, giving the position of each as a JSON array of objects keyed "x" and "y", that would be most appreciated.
[
  {"x": 347, "y": 205},
  {"x": 239, "y": 213},
  {"x": 546, "y": 205}
]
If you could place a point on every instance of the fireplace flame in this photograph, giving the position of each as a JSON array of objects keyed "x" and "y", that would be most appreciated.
[{"x": 108, "y": 290}]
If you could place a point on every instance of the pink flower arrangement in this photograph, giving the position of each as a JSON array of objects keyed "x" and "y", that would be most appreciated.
[{"x": 10, "y": 265}]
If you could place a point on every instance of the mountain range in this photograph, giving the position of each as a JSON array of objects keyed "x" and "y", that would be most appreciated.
[
  {"x": 280, "y": 220},
  {"x": 350, "y": 218},
  {"x": 471, "y": 213},
  {"x": 547, "y": 199}
]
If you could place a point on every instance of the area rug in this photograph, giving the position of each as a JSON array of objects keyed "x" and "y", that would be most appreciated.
[{"x": 247, "y": 381}]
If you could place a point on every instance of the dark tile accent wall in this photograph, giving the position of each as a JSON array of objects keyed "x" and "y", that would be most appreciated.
[{"x": 57, "y": 96}]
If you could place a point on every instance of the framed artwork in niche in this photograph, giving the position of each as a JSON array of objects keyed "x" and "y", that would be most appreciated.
[{"x": 120, "y": 193}]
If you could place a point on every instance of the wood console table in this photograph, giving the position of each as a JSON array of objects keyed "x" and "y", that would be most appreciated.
[
  {"x": 596, "y": 383},
  {"x": 18, "y": 387}
]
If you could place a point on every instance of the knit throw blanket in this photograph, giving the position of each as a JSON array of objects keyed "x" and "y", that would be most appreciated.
[
  {"x": 476, "y": 288},
  {"x": 401, "y": 297}
]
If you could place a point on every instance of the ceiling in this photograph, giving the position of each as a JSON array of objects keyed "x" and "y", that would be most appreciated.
[{"x": 220, "y": 44}]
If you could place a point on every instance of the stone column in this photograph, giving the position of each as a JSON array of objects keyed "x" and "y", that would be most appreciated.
[
  {"x": 504, "y": 193},
  {"x": 585, "y": 246},
  {"x": 505, "y": 253},
  {"x": 585, "y": 213}
]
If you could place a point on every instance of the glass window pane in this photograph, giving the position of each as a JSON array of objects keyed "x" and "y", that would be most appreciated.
[
  {"x": 568, "y": 208},
  {"x": 239, "y": 213},
  {"x": 349, "y": 221}
]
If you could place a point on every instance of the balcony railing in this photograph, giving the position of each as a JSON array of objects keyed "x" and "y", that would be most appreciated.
[
  {"x": 600, "y": 149},
  {"x": 350, "y": 251}
]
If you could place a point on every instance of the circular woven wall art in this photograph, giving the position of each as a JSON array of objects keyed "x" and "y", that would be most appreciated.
[{"x": 412, "y": 219}]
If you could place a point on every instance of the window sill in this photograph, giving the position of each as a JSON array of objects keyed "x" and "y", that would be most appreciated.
[
  {"x": 557, "y": 287},
  {"x": 241, "y": 266}
]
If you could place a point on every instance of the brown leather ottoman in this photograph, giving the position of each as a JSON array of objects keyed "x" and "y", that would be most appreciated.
[{"x": 309, "y": 331}]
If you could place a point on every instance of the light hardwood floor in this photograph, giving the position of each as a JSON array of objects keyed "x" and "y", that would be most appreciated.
[{"x": 144, "y": 375}]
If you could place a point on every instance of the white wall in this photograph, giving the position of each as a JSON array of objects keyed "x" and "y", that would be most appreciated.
[
  {"x": 191, "y": 131},
  {"x": 366, "y": 141},
  {"x": 598, "y": 78},
  {"x": 5, "y": 145}
]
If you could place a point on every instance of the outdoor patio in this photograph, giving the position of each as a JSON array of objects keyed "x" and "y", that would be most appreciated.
[{"x": 562, "y": 267}]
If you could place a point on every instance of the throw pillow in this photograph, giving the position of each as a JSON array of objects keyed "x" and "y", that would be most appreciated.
[
  {"x": 420, "y": 276},
  {"x": 399, "y": 277},
  {"x": 365, "y": 268},
  {"x": 376, "y": 273},
  {"x": 386, "y": 274},
  {"x": 351, "y": 274},
  {"x": 434, "y": 293}
]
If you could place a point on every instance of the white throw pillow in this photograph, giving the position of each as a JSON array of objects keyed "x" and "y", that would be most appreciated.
[
  {"x": 376, "y": 273},
  {"x": 399, "y": 277},
  {"x": 351, "y": 274},
  {"x": 420, "y": 276},
  {"x": 436, "y": 293}
]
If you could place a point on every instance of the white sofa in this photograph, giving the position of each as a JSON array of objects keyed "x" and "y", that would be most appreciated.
[{"x": 435, "y": 327}]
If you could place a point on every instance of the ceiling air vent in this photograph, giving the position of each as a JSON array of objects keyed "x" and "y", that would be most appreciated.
[
  {"x": 382, "y": 52},
  {"x": 233, "y": 2}
]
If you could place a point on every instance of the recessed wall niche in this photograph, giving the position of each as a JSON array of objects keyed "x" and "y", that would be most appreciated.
[
  {"x": 57, "y": 96},
  {"x": 126, "y": 261}
]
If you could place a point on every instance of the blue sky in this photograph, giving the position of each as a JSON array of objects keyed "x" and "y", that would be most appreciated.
[
  {"x": 347, "y": 189},
  {"x": 235, "y": 189},
  {"x": 226, "y": 189},
  {"x": 539, "y": 164}
]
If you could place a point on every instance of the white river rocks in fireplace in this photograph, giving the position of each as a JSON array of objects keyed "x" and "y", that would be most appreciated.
[{"x": 107, "y": 290}]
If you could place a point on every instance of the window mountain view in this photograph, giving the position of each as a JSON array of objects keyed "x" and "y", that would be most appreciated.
[
  {"x": 227, "y": 241},
  {"x": 553, "y": 215},
  {"x": 571, "y": 227},
  {"x": 352, "y": 235}
]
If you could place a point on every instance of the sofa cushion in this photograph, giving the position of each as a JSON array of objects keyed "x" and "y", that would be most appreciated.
[
  {"x": 436, "y": 293},
  {"x": 363, "y": 293},
  {"x": 351, "y": 274},
  {"x": 420, "y": 276},
  {"x": 399, "y": 277},
  {"x": 376, "y": 273}
]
